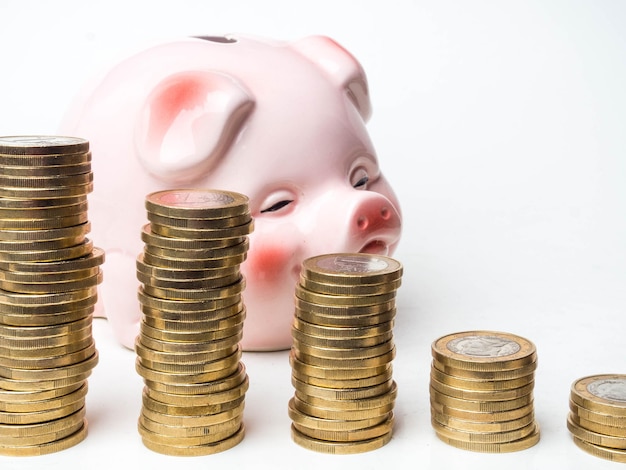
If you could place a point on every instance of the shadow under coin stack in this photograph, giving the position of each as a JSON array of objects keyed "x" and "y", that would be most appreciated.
[
  {"x": 342, "y": 352},
  {"x": 481, "y": 391},
  {"x": 188, "y": 349},
  {"x": 597, "y": 418},
  {"x": 49, "y": 272}
]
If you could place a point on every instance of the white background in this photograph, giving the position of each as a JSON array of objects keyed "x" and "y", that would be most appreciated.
[{"x": 500, "y": 125}]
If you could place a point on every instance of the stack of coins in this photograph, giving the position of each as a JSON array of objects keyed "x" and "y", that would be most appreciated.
[
  {"x": 481, "y": 391},
  {"x": 49, "y": 272},
  {"x": 342, "y": 352},
  {"x": 597, "y": 418},
  {"x": 188, "y": 349}
]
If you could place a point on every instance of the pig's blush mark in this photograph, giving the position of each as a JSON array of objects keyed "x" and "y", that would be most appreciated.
[{"x": 268, "y": 263}]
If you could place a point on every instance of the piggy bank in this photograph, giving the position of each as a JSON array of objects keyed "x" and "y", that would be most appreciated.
[{"x": 283, "y": 123}]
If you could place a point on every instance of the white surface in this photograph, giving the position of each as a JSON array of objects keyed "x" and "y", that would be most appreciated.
[{"x": 501, "y": 127}]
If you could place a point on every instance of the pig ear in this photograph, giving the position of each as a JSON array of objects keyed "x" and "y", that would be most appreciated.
[
  {"x": 341, "y": 66},
  {"x": 188, "y": 122}
]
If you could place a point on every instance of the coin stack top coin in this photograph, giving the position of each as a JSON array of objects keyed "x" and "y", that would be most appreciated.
[
  {"x": 188, "y": 349},
  {"x": 49, "y": 272},
  {"x": 342, "y": 353},
  {"x": 597, "y": 417},
  {"x": 481, "y": 391}
]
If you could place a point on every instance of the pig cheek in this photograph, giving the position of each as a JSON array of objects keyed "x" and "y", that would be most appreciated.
[{"x": 268, "y": 264}]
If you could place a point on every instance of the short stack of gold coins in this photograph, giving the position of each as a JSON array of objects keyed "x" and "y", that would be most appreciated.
[
  {"x": 597, "y": 418},
  {"x": 342, "y": 352},
  {"x": 49, "y": 272},
  {"x": 188, "y": 349},
  {"x": 481, "y": 391}
]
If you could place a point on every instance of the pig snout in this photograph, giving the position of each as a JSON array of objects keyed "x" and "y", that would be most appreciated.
[{"x": 375, "y": 225}]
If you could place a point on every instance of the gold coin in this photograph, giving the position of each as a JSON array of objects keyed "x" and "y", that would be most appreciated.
[
  {"x": 47, "y": 192},
  {"x": 600, "y": 418},
  {"x": 604, "y": 440},
  {"x": 185, "y": 378},
  {"x": 199, "y": 400},
  {"x": 152, "y": 314},
  {"x": 351, "y": 269},
  {"x": 607, "y": 453},
  {"x": 341, "y": 332},
  {"x": 207, "y": 388},
  {"x": 8, "y": 397},
  {"x": 42, "y": 449},
  {"x": 482, "y": 416},
  {"x": 478, "y": 385},
  {"x": 41, "y": 256},
  {"x": 45, "y": 405},
  {"x": 331, "y": 447},
  {"x": 476, "y": 405},
  {"x": 28, "y": 145},
  {"x": 210, "y": 283},
  {"x": 49, "y": 362},
  {"x": 46, "y": 182},
  {"x": 44, "y": 319},
  {"x": 188, "y": 410},
  {"x": 183, "y": 441},
  {"x": 482, "y": 395},
  {"x": 342, "y": 353},
  {"x": 191, "y": 431},
  {"x": 203, "y": 234},
  {"x": 313, "y": 422},
  {"x": 339, "y": 363},
  {"x": 341, "y": 343},
  {"x": 51, "y": 287},
  {"x": 36, "y": 429},
  {"x": 40, "y": 439},
  {"x": 32, "y": 417},
  {"x": 189, "y": 203},
  {"x": 366, "y": 320},
  {"x": 484, "y": 351},
  {"x": 44, "y": 342},
  {"x": 343, "y": 384},
  {"x": 42, "y": 212},
  {"x": 35, "y": 236},
  {"x": 204, "y": 253},
  {"x": 45, "y": 161},
  {"x": 182, "y": 357},
  {"x": 43, "y": 224},
  {"x": 13, "y": 246},
  {"x": 499, "y": 437},
  {"x": 92, "y": 260},
  {"x": 47, "y": 277},
  {"x": 7, "y": 332},
  {"x": 191, "y": 347},
  {"x": 339, "y": 289},
  {"x": 604, "y": 393},
  {"x": 31, "y": 385},
  {"x": 195, "y": 450},
  {"x": 156, "y": 240},
  {"x": 16, "y": 204},
  {"x": 189, "y": 337},
  {"x": 71, "y": 370},
  {"x": 201, "y": 420},
  {"x": 172, "y": 274},
  {"x": 334, "y": 413},
  {"x": 347, "y": 373},
  {"x": 45, "y": 170},
  {"x": 54, "y": 307},
  {"x": 356, "y": 300},
  {"x": 331, "y": 393},
  {"x": 512, "y": 446},
  {"x": 195, "y": 294},
  {"x": 199, "y": 222},
  {"x": 348, "y": 436},
  {"x": 607, "y": 430},
  {"x": 228, "y": 362},
  {"x": 347, "y": 404},
  {"x": 494, "y": 375},
  {"x": 179, "y": 263},
  {"x": 344, "y": 311},
  {"x": 174, "y": 305},
  {"x": 468, "y": 425},
  {"x": 195, "y": 326},
  {"x": 39, "y": 353}
]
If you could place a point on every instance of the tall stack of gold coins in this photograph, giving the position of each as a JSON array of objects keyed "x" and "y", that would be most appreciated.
[
  {"x": 342, "y": 353},
  {"x": 49, "y": 272},
  {"x": 188, "y": 349},
  {"x": 597, "y": 418},
  {"x": 481, "y": 391}
]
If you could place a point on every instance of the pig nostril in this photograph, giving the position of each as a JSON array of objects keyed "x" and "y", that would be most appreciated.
[
  {"x": 362, "y": 222},
  {"x": 385, "y": 213}
]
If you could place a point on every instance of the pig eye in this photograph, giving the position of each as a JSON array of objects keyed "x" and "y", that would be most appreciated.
[
  {"x": 359, "y": 179},
  {"x": 278, "y": 206}
]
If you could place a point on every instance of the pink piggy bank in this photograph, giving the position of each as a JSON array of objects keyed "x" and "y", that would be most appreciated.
[{"x": 280, "y": 122}]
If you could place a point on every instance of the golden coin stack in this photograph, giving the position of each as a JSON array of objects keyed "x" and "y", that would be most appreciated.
[
  {"x": 597, "y": 418},
  {"x": 49, "y": 273},
  {"x": 188, "y": 349},
  {"x": 481, "y": 391},
  {"x": 342, "y": 352}
]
